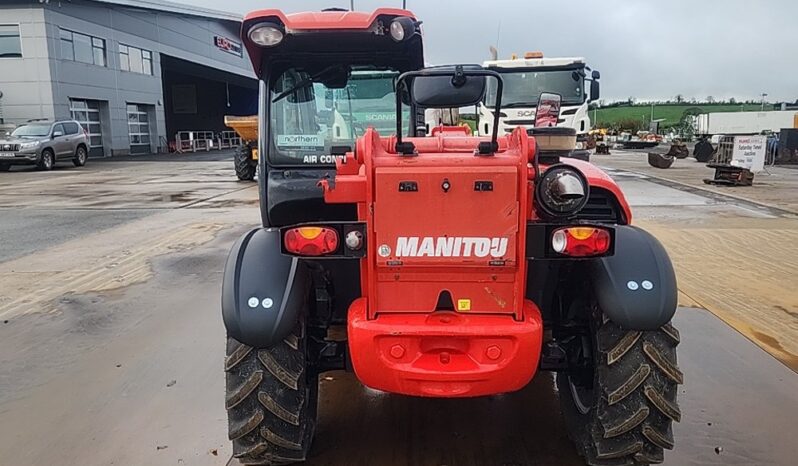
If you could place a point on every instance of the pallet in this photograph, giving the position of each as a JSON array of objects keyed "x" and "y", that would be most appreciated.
[{"x": 728, "y": 175}]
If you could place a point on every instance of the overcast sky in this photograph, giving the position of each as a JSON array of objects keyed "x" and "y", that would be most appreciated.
[{"x": 644, "y": 49}]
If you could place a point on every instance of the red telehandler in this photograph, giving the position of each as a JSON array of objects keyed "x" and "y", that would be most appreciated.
[{"x": 456, "y": 265}]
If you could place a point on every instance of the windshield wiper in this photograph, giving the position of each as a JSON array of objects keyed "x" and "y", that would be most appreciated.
[
  {"x": 301, "y": 84},
  {"x": 311, "y": 79}
]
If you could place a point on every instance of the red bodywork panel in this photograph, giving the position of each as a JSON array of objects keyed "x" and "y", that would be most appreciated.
[
  {"x": 312, "y": 21},
  {"x": 444, "y": 354},
  {"x": 599, "y": 179},
  {"x": 435, "y": 230}
]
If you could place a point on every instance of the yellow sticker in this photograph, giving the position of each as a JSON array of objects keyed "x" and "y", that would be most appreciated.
[{"x": 463, "y": 304}]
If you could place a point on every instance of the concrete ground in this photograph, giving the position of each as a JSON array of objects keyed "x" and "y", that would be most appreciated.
[
  {"x": 776, "y": 187},
  {"x": 735, "y": 256},
  {"x": 112, "y": 346}
]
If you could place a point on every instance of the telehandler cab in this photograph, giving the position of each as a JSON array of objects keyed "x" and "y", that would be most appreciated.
[{"x": 458, "y": 265}]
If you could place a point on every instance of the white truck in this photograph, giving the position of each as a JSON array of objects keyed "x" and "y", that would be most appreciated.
[
  {"x": 525, "y": 78},
  {"x": 744, "y": 123}
]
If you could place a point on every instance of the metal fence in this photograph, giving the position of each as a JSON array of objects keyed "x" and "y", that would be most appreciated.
[
  {"x": 193, "y": 141},
  {"x": 723, "y": 154},
  {"x": 771, "y": 154},
  {"x": 229, "y": 139}
]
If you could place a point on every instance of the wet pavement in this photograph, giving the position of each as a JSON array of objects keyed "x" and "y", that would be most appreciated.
[
  {"x": 112, "y": 346},
  {"x": 734, "y": 258},
  {"x": 774, "y": 187},
  {"x": 736, "y": 399}
]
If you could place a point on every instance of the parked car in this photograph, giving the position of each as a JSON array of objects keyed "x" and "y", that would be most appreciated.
[{"x": 43, "y": 143}]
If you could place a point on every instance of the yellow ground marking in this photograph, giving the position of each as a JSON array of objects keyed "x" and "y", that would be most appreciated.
[{"x": 744, "y": 272}]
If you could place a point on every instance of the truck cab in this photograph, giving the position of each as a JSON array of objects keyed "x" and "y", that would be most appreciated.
[{"x": 526, "y": 78}]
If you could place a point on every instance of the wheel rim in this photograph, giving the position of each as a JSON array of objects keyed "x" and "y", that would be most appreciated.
[
  {"x": 82, "y": 155},
  {"x": 47, "y": 160}
]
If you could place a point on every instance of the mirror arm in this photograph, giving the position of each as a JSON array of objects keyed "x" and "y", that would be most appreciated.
[
  {"x": 484, "y": 148},
  {"x": 459, "y": 79},
  {"x": 404, "y": 148},
  {"x": 494, "y": 142}
]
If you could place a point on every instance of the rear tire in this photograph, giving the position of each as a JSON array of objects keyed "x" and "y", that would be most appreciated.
[
  {"x": 625, "y": 418},
  {"x": 81, "y": 154},
  {"x": 46, "y": 160},
  {"x": 245, "y": 166},
  {"x": 272, "y": 395}
]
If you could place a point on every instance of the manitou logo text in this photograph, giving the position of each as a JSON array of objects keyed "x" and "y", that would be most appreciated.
[{"x": 453, "y": 246}]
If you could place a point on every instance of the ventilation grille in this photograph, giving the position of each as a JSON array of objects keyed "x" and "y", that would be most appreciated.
[{"x": 601, "y": 207}]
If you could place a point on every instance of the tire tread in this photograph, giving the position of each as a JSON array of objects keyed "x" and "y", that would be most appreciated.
[
  {"x": 271, "y": 403},
  {"x": 636, "y": 380},
  {"x": 245, "y": 167}
]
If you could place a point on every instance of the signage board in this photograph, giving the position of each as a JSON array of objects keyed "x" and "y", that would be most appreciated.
[
  {"x": 749, "y": 153},
  {"x": 228, "y": 45}
]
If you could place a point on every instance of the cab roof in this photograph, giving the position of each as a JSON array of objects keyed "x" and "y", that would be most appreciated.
[
  {"x": 326, "y": 19},
  {"x": 306, "y": 33}
]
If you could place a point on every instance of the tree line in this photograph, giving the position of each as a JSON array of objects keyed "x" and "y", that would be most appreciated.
[{"x": 678, "y": 99}]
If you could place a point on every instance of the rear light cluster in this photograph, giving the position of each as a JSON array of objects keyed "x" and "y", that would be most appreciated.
[
  {"x": 581, "y": 241},
  {"x": 311, "y": 241},
  {"x": 332, "y": 240}
]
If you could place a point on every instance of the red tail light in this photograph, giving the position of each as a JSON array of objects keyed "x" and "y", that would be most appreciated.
[
  {"x": 311, "y": 241},
  {"x": 581, "y": 241}
]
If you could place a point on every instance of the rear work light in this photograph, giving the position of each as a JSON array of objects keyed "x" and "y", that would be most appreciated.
[
  {"x": 266, "y": 34},
  {"x": 581, "y": 241},
  {"x": 311, "y": 241},
  {"x": 402, "y": 28}
]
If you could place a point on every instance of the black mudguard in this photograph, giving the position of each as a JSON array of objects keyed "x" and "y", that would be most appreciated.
[
  {"x": 263, "y": 291},
  {"x": 636, "y": 287}
]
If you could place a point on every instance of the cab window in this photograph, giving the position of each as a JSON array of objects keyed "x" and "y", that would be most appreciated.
[{"x": 309, "y": 117}]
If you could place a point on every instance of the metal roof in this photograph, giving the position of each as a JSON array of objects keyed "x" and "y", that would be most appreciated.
[{"x": 176, "y": 8}]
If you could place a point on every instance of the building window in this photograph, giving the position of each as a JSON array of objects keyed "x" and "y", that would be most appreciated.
[
  {"x": 135, "y": 59},
  {"x": 80, "y": 47},
  {"x": 10, "y": 44}
]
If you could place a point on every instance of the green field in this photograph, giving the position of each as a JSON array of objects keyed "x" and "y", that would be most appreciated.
[{"x": 620, "y": 117}]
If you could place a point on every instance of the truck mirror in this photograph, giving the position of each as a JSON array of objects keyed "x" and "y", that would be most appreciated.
[
  {"x": 548, "y": 111},
  {"x": 594, "y": 88},
  {"x": 595, "y": 75},
  {"x": 457, "y": 89},
  {"x": 448, "y": 87}
]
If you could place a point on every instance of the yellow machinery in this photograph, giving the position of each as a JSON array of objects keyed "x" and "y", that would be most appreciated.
[{"x": 246, "y": 155}]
